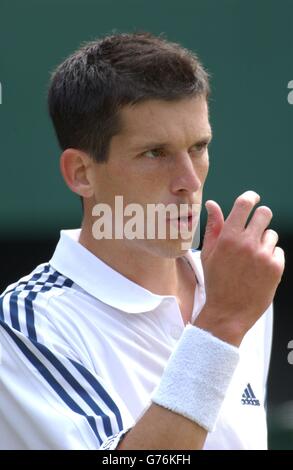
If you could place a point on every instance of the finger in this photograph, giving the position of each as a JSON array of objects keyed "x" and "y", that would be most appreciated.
[
  {"x": 259, "y": 222},
  {"x": 239, "y": 214},
  {"x": 269, "y": 240},
  {"x": 214, "y": 226}
]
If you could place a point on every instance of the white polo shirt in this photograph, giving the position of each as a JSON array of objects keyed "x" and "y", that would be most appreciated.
[{"x": 83, "y": 347}]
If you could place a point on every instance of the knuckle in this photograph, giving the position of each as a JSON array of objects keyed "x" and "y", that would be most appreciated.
[
  {"x": 248, "y": 246},
  {"x": 225, "y": 243},
  {"x": 270, "y": 263},
  {"x": 227, "y": 240},
  {"x": 244, "y": 202},
  {"x": 276, "y": 269},
  {"x": 234, "y": 242},
  {"x": 263, "y": 258}
]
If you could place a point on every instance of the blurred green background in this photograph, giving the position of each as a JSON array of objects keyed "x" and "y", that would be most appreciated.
[{"x": 246, "y": 45}]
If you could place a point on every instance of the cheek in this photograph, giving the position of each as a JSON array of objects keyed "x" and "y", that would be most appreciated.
[
  {"x": 206, "y": 169},
  {"x": 202, "y": 168},
  {"x": 135, "y": 186}
]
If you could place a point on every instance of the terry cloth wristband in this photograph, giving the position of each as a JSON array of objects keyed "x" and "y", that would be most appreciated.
[{"x": 197, "y": 375}]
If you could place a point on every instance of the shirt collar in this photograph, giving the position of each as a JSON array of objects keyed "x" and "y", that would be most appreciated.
[{"x": 97, "y": 278}]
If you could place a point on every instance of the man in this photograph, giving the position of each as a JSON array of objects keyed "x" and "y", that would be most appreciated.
[{"x": 117, "y": 342}]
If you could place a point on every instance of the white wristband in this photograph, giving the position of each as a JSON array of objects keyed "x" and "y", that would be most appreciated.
[{"x": 197, "y": 375}]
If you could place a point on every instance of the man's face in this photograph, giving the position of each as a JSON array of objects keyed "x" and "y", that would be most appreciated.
[{"x": 159, "y": 156}]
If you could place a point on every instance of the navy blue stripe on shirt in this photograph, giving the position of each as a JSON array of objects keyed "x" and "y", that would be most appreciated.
[
  {"x": 46, "y": 286},
  {"x": 1, "y": 309},
  {"x": 15, "y": 293},
  {"x": 67, "y": 283},
  {"x": 29, "y": 311},
  {"x": 35, "y": 277},
  {"x": 13, "y": 305},
  {"x": 13, "y": 300},
  {"x": 100, "y": 391},
  {"x": 50, "y": 379},
  {"x": 77, "y": 387},
  {"x": 14, "y": 310},
  {"x": 50, "y": 283}
]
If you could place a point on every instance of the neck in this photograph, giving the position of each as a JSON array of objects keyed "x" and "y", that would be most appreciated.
[{"x": 158, "y": 274}]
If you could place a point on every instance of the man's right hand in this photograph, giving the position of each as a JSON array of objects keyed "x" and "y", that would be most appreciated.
[{"x": 242, "y": 268}]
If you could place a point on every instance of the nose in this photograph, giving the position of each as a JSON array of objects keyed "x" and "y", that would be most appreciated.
[{"x": 185, "y": 177}]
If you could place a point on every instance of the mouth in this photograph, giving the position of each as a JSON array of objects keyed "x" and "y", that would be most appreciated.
[
  {"x": 186, "y": 218},
  {"x": 184, "y": 222}
]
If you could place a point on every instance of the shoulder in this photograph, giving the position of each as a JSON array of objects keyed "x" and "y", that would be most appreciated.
[{"x": 24, "y": 305}]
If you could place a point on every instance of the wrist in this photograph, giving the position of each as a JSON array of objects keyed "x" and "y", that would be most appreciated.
[
  {"x": 197, "y": 375},
  {"x": 227, "y": 329}
]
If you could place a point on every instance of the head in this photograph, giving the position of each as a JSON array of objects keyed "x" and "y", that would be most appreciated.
[{"x": 118, "y": 99}]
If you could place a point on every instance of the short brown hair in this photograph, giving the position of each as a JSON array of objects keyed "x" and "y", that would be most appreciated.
[{"x": 90, "y": 87}]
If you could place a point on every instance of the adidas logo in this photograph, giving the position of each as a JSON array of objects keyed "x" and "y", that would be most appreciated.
[{"x": 248, "y": 397}]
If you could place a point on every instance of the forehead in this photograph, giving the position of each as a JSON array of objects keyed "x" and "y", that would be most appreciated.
[{"x": 165, "y": 120}]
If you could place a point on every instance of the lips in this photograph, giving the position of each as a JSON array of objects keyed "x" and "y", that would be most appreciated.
[{"x": 184, "y": 218}]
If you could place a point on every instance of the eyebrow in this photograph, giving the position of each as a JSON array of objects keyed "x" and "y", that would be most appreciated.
[{"x": 161, "y": 145}]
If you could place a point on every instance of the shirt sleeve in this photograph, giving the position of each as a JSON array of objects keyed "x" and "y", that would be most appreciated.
[
  {"x": 50, "y": 401},
  {"x": 113, "y": 442}
]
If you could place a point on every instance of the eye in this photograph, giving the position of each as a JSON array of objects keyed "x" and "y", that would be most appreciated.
[
  {"x": 200, "y": 147},
  {"x": 154, "y": 153}
]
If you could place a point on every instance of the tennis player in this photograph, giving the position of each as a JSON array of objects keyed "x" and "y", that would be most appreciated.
[{"x": 140, "y": 342}]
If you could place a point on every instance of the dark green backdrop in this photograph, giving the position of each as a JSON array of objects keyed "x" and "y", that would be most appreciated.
[{"x": 246, "y": 45}]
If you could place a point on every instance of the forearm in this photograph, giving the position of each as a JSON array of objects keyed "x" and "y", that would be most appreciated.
[
  {"x": 160, "y": 428},
  {"x": 188, "y": 398}
]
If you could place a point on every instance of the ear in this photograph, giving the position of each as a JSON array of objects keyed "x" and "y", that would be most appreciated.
[{"x": 75, "y": 167}]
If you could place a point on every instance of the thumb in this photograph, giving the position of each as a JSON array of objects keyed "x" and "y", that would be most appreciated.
[{"x": 214, "y": 226}]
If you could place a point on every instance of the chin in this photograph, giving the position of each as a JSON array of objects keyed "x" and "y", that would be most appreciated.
[{"x": 169, "y": 248}]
